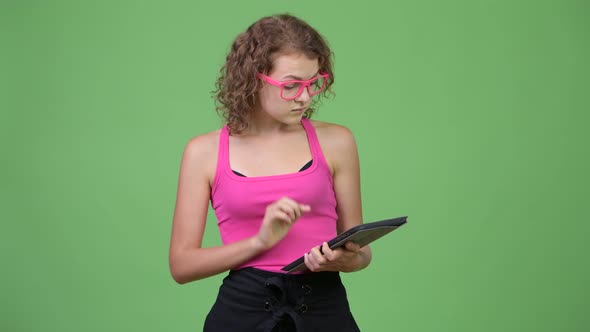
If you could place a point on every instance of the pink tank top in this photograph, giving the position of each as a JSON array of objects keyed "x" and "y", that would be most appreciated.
[{"x": 240, "y": 203}]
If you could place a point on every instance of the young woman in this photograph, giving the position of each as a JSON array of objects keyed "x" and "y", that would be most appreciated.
[{"x": 281, "y": 186}]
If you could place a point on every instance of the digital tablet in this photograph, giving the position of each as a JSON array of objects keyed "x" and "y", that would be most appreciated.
[{"x": 362, "y": 235}]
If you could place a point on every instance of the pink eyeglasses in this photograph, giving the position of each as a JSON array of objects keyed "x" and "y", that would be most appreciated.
[{"x": 294, "y": 88}]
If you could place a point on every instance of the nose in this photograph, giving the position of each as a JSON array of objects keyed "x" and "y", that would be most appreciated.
[{"x": 304, "y": 96}]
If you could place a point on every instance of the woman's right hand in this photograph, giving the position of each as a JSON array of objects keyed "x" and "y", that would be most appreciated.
[{"x": 278, "y": 219}]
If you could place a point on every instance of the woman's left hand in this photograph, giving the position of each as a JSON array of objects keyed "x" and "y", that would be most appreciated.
[{"x": 345, "y": 259}]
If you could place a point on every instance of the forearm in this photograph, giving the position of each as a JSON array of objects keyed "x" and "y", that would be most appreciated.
[
  {"x": 360, "y": 262},
  {"x": 365, "y": 258},
  {"x": 198, "y": 263}
]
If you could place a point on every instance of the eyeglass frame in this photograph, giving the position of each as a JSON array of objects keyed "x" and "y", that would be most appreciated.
[{"x": 304, "y": 84}]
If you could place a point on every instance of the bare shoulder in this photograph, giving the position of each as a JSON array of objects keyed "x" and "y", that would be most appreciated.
[
  {"x": 200, "y": 154},
  {"x": 333, "y": 136},
  {"x": 337, "y": 142},
  {"x": 203, "y": 144}
]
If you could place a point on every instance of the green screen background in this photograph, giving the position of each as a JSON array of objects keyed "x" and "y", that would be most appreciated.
[{"x": 470, "y": 117}]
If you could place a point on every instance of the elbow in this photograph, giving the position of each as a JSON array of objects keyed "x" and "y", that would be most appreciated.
[
  {"x": 181, "y": 274},
  {"x": 180, "y": 278},
  {"x": 177, "y": 276},
  {"x": 183, "y": 269},
  {"x": 176, "y": 272}
]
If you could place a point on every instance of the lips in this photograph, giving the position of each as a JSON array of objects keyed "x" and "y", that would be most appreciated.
[{"x": 299, "y": 109}]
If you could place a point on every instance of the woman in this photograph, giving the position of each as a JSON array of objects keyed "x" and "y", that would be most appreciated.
[{"x": 281, "y": 186}]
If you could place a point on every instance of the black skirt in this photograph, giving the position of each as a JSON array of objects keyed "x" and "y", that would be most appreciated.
[{"x": 255, "y": 300}]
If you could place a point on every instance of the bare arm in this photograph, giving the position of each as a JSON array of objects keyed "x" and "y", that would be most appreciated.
[
  {"x": 347, "y": 185},
  {"x": 187, "y": 259},
  {"x": 342, "y": 151}
]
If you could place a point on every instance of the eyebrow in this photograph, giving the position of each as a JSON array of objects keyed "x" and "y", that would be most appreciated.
[{"x": 295, "y": 77}]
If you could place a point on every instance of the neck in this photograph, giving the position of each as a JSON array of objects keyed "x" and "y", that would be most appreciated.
[{"x": 261, "y": 124}]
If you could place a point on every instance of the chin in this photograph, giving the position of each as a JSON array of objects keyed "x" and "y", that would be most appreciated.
[{"x": 294, "y": 119}]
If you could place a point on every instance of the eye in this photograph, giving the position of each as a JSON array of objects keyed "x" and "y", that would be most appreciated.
[{"x": 290, "y": 86}]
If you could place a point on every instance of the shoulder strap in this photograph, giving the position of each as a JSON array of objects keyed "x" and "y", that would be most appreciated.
[
  {"x": 222, "y": 154},
  {"x": 314, "y": 143}
]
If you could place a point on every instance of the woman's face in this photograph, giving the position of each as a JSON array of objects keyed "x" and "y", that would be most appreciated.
[{"x": 294, "y": 66}]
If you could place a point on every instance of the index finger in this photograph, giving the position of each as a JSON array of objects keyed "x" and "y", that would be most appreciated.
[{"x": 327, "y": 251}]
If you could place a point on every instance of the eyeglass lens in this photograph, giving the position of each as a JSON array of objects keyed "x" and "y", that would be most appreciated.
[{"x": 293, "y": 90}]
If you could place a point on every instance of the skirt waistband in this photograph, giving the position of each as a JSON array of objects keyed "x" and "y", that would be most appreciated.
[
  {"x": 284, "y": 297},
  {"x": 313, "y": 277}
]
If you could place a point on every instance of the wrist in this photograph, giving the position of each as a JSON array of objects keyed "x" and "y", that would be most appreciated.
[
  {"x": 364, "y": 259},
  {"x": 359, "y": 262},
  {"x": 258, "y": 245}
]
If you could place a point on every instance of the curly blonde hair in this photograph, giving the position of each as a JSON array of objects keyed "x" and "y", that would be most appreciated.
[{"x": 253, "y": 52}]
